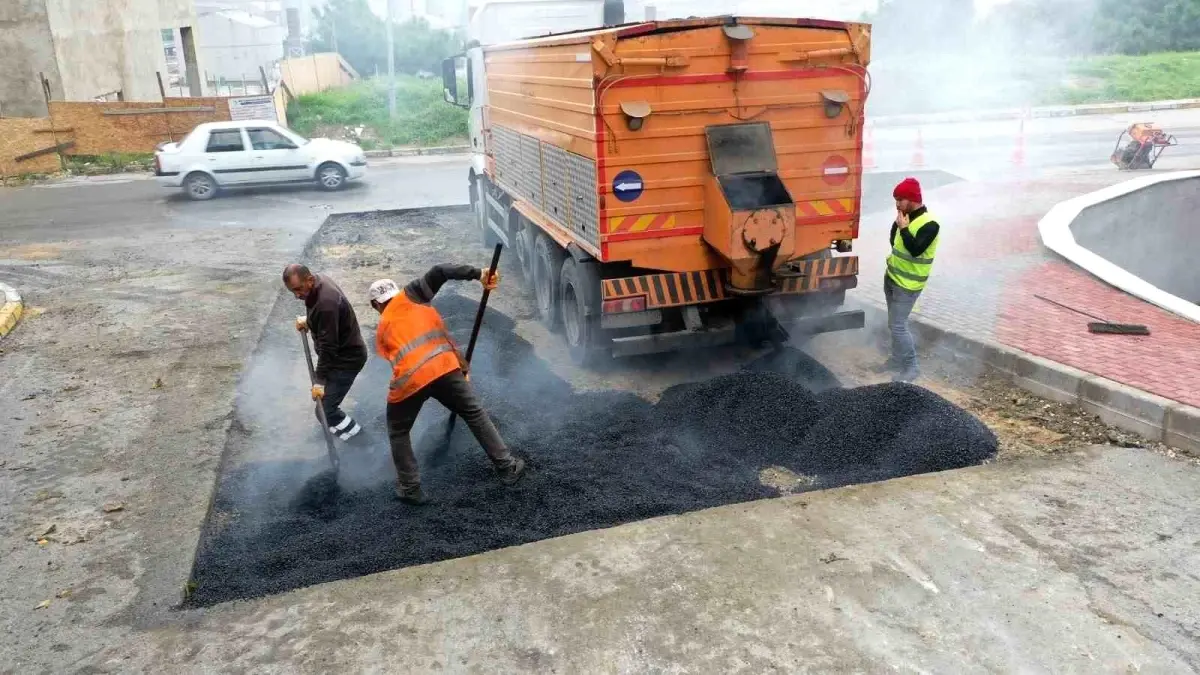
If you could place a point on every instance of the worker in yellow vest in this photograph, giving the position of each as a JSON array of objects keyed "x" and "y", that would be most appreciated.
[
  {"x": 426, "y": 364},
  {"x": 914, "y": 239}
]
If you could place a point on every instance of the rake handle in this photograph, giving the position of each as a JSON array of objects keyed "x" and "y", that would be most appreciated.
[{"x": 478, "y": 320}]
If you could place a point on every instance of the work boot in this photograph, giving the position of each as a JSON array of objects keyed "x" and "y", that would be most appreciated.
[
  {"x": 510, "y": 470},
  {"x": 889, "y": 366},
  {"x": 411, "y": 494},
  {"x": 907, "y": 375},
  {"x": 348, "y": 431}
]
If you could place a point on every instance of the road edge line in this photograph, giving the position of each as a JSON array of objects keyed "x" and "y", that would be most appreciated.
[{"x": 420, "y": 152}]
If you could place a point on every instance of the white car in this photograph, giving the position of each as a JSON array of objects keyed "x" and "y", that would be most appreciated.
[{"x": 221, "y": 154}]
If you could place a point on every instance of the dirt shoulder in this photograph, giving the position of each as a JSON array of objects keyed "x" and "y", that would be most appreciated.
[{"x": 115, "y": 394}]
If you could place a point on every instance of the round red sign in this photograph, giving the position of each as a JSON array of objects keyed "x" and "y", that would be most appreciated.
[{"x": 835, "y": 170}]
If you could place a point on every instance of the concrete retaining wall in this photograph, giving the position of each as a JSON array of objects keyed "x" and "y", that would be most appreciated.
[
  {"x": 1151, "y": 232},
  {"x": 1113, "y": 219}
]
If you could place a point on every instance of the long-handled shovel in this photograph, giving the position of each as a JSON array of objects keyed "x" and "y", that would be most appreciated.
[
  {"x": 312, "y": 378},
  {"x": 478, "y": 323}
]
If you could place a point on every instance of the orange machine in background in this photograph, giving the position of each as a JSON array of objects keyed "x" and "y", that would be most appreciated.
[{"x": 675, "y": 183}]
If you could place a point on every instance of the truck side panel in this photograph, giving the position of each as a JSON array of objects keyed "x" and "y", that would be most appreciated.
[{"x": 541, "y": 117}]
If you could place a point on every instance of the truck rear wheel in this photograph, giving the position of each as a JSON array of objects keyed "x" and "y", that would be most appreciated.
[
  {"x": 579, "y": 299},
  {"x": 547, "y": 261},
  {"x": 522, "y": 237}
]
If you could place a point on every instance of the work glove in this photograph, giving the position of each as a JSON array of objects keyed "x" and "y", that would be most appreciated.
[
  {"x": 302, "y": 324},
  {"x": 318, "y": 392},
  {"x": 489, "y": 281}
]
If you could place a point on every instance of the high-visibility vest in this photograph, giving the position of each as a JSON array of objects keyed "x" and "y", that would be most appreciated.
[
  {"x": 908, "y": 271},
  {"x": 413, "y": 338}
]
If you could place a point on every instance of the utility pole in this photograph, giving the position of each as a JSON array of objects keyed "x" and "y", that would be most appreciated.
[{"x": 391, "y": 64}]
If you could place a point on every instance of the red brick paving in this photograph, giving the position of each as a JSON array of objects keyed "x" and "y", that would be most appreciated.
[
  {"x": 991, "y": 264},
  {"x": 1167, "y": 362}
]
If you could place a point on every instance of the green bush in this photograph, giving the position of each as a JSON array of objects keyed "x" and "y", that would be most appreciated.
[
  {"x": 1152, "y": 77},
  {"x": 422, "y": 116}
]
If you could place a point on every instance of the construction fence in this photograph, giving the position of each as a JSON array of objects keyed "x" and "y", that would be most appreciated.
[{"x": 36, "y": 145}]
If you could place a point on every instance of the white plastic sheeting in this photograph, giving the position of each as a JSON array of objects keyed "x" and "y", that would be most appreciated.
[{"x": 1055, "y": 230}]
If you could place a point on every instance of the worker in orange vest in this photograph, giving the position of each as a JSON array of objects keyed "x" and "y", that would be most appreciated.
[{"x": 427, "y": 364}]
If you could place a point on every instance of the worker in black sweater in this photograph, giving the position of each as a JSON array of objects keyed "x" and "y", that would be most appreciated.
[
  {"x": 914, "y": 238},
  {"x": 341, "y": 352}
]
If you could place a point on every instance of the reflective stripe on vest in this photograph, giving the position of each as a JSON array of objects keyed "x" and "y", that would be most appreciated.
[
  {"x": 417, "y": 342},
  {"x": 400, "y": 381},
  {"x": 906, "y": 270},
  {"x": 414, "y": 340}
]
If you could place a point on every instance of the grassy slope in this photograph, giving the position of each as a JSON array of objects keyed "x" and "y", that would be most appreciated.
[
  {"x": 422, "y": 117},
  {"x": 1153, "y": 77}
]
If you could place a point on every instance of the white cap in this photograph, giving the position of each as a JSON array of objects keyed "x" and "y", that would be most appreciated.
[{"x": 383, "y": 290}]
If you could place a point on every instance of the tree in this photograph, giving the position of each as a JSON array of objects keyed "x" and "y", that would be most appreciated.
[
  {"x": 361, "y": 39},
  {"x": 1143, "y": 26},
  {"x": 1102, "y": 27}
]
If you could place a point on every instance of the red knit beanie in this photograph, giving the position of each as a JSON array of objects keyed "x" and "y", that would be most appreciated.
[{"x": 908, "y": 189}]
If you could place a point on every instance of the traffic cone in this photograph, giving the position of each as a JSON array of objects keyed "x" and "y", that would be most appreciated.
[
  {"x": 918, "y": 158},
  {"x": 1018, "y": 156},
  {"x": 868, "y": 152}
]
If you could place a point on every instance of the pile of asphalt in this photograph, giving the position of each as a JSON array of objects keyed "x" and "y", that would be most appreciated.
[{"x": 597, "y": 459}]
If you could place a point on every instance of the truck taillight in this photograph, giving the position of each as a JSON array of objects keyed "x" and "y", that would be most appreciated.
[{"x": 624, "y": 305}]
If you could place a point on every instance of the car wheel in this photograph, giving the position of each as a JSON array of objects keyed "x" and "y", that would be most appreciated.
[
  {"x": 547, "y": 261},
  {"x": 579, "y": 293},
  {"x": 331, "y": 177},
  {"x": 199, "y": 186}
]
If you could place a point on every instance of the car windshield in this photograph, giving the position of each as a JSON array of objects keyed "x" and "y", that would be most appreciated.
[{"x": 300, "y": 140}]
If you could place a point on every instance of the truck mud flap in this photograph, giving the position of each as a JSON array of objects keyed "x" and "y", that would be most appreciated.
[
  {"x": 496, "y": 215},
  {"x": 669, "y": 342},
  {"x": 827, "y": 323}
]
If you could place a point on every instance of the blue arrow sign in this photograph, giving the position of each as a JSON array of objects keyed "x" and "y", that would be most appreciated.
[{"x": 627, "y": 185}]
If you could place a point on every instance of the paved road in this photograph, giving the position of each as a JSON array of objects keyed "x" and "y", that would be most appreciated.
[
  {"x": 979, "y": 150},
  {"x": 125, "y": 206}
]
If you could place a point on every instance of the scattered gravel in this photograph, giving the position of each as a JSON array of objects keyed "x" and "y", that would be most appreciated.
[{"x": 597, "y": 459}]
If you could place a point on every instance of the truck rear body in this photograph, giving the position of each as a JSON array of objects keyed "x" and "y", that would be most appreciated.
[{"x": 706, "y": 164}]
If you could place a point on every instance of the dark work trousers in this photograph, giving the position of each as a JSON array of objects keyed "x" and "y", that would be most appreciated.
[
  {"x": 453, "y": 391},
  {"x": 337, "y": 385}
]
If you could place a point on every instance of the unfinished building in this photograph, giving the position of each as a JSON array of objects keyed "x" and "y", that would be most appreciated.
[{"x": 90, "y": 50}]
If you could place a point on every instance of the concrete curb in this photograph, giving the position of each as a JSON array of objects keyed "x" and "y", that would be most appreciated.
[
  {"x": 1140, "y": 412},
  {"x": 1017, "y": 113},
  {"x": 11, "y": 309},
  {"x": 420, "y": 152}
]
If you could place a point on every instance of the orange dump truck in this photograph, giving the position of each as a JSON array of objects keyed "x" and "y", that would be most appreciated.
[{"x": 674, "y": 183}]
